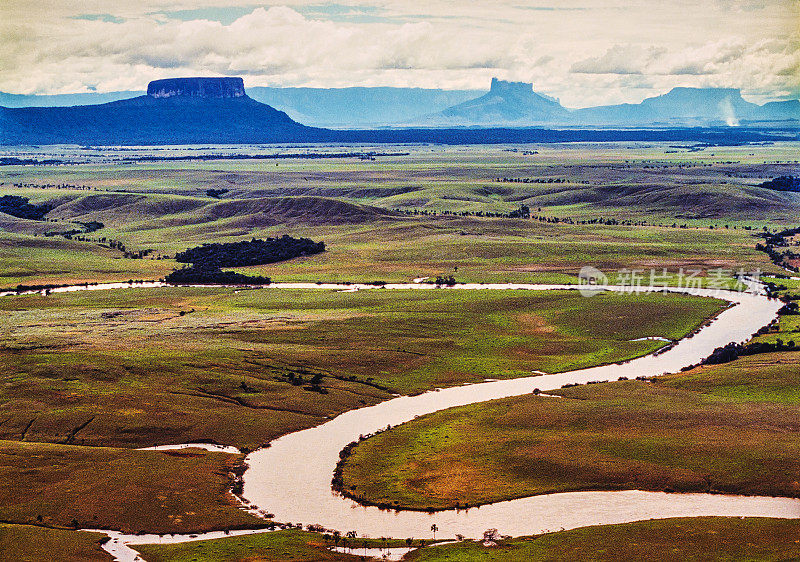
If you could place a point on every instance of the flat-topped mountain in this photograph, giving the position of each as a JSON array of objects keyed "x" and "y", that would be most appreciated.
[
  {"x": 506, "y": 103},
  {"x": 228, "y": 87},
  {"x": 174, "y": 111}
]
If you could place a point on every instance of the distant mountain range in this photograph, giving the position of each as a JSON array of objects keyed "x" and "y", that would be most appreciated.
[
  {"x": 359, "y": 107},
  {"x": 690, "y": 107},
  {"x": 220, "y": 111},
  {"x": 318, "y": 107},
  {"x": 506, "y": 104}
]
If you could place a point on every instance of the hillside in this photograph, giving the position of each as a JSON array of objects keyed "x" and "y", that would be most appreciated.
[{"x": 134, "y": 212}]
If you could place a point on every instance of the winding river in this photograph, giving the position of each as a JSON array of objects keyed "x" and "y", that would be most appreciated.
[{"x": 291, "y": 478}]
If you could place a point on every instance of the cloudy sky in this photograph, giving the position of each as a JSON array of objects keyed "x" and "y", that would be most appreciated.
[{"x": 585, "y": 52}]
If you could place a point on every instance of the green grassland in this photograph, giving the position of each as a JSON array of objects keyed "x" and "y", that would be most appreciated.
[
  {"x": 27, "y": 543},
  {"x": 350, "y": 204},
  {"x": 689, "y": 539},
  {"x": 26, "y": 259},
  {"x": 400, "y": 249},
  {"x": 293, "y": 545},
  {"x": 289, "y": 546},
  {"x": 128, "y": 490},
  {"x": 696, "y": 538},
  {"x": 728, "y": 428},
  {"x": 171, "y": 365},
  {"x": 89, "y": 371},
  {"x": 613, "y": 179},
  {"x": 788, "y": 326}
]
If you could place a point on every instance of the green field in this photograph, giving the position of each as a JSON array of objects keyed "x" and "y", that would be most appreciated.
[
  {"x": 289, "y": 546},
  {"x": 292, "y": 545},
  {"x": 353, "y": 205},
  {"x": 728, "y": 428},
  {"x": 703, "y": 538},
  {"x": 695, "y": 539},
  {"x": 158, "y": 366},
  {"x": 787, "y": 328},
  {"x": 171, "y": 365}
]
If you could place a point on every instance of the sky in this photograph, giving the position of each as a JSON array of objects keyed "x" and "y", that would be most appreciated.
[{"x": 584, "y": 52}]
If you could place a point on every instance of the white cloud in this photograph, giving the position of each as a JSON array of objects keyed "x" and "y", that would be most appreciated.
[{"x": 604, "y": 51}]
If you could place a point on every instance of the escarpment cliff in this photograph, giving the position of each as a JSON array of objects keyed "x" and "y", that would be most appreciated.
[{"x": 218, "y": 88}]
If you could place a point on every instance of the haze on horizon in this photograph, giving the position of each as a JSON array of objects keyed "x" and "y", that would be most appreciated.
[{"x": 580, "y": 51}]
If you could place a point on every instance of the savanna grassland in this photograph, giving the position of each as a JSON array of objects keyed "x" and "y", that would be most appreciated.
[
  {"x": 360, "y": 208},
  {"x": 68, "y": 486},
  {"x": 667, "y": 540},
  {"x": 89, "y": 372},
  {"x": 29, "y": 543},
  {"x": 696, "y": 538},
  {"x": 158, "y": 366},
  {"x": 694, "y": 432},
  {"x": 90, "y": 377}
]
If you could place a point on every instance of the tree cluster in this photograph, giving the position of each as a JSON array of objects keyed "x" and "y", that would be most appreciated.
[
  {"x": 253, "y": 252},
  {"x": 216, "y": 193},
  {"x": 772, "y": 241},
  {"x": 782, "y": 183},
  {"x": 735, "y": 350},
  {"x": 197, "y": 275},
  {"x": 20, "y": 207}
]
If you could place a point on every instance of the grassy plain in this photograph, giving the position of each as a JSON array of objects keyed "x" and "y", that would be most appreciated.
[
  {"x": 695, "y": 539},
  {"x": 159, "y": 366},
  {"x": 729, "y": 428},
  {"x": 28, "y": 543},
  {"x": 26, "y": 259},
  {"x": 105, "y": 488},
  {"x": 292, "y": 545},
  {"x": 691, "y": 539},
  {"x": 787, "y": 329},
  {"x": 350, "y": 204},
  {"x": 173, "y": 365},
  {"x": 289, "y": 546}
]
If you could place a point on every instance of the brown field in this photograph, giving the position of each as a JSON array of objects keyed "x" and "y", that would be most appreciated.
[{"x": 131, "y": 491}]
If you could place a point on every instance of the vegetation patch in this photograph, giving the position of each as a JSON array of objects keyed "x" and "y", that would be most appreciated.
[
  {"x": 681, "y": 433},
  {"x": 213, "y": 276},
  {"x": 20, "y": 207},
  {"x": 782, "y": 183},
  {"x": 242, "y": 367},
  {"x": 253, "y": 252},
  {"x": 661, "y": 540},
  {"x": 284, "y": 546},
  {"x": 136, "y": 491},
  {"x": 30, "y": 543}
]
